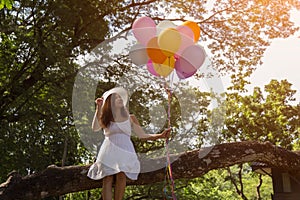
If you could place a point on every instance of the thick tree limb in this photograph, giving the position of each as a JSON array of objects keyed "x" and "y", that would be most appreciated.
[{"x": 55, "y": 181}]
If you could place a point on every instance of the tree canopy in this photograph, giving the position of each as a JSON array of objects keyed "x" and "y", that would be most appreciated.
[{"x": 41, "y": 42}]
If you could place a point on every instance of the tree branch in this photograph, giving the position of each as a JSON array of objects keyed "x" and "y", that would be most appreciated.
[{"x": 55, "y": 181}]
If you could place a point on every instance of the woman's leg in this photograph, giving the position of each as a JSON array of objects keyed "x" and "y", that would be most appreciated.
[
  {"x": 107, "y": 188},
  {"x": 120, "y": 185}
]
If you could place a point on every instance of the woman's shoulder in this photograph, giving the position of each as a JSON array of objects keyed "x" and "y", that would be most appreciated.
[{"x": 133, "y": 119}]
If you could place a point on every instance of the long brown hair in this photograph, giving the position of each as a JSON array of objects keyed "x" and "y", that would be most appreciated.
[{"x": 107, "y": 115}]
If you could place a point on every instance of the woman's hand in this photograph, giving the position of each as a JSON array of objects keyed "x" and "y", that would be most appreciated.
[
  {"x": 165, "y": 133},
  {"x": 99, "y": 102}
]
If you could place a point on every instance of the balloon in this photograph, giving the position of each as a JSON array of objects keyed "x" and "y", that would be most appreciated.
[
  {"x": 180, "y": 71},
  {"x": 138, "y": 54},
  {"x": 190, "y": 61},
  {"x": 150, "y": 68},
  {"x": 195, "y": 55},
  {"x": 169, "y": 41},
  {"x": 154, "y": 52},
  {"x": 194, "y": 27},
  {"x": 187, "y": 38},
  {"x": 185, "y": 30},
  {"x": 165, "y": 68},
  {"x": 164, "y": 25},
  {"x": 144, "y": 28}
]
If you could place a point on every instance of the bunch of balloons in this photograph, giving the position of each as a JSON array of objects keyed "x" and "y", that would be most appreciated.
[{"x": 166, "y": 46}]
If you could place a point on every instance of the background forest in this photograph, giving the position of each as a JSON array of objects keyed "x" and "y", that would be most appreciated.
[{"x": 42, "y": 41}]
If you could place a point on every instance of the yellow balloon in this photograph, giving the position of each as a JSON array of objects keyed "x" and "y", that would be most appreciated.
[
  {"x": 169, "y": 41},
  {"x": 194, "y": 27},
  {"x": 166, "y": 67}
]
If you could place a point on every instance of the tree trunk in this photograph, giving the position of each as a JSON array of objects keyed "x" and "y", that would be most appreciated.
[
  {"x": 55, "y": 181},
  {"x": 258, "y": 187}
]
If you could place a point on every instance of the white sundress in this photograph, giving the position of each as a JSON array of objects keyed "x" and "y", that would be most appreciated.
[{"x": 117, "y": 153}]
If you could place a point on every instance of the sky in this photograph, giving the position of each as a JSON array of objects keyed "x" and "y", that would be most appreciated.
[{"x": 281, "y": 60}]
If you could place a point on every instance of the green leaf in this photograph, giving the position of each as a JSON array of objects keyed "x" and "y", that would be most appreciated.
[{"x": 6, "y": 3}]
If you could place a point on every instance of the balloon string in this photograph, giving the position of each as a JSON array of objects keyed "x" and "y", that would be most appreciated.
[{"x": 169, "y": 167}]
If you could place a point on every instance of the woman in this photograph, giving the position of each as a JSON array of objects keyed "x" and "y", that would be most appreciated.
[{"x": 117, "y": 156}]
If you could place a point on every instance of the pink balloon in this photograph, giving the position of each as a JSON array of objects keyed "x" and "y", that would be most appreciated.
[
  {"x": 187, "y": 38},
  {"x": 150, "y": 68},
  {"x": 186, "y": 31},
  {"x": 184, "y": 69},
  {"x": 190, "y": 61},
  {"x": 144, "y": 28},
  {"x": 195, "y": 55}
]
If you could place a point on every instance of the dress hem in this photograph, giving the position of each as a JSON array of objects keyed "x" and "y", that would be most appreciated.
[{"x": 101, "y": 177}]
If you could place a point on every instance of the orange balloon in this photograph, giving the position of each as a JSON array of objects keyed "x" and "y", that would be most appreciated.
[
  {"x": 194, "y": 27},
  {"x": 154, "y": 52},
  {"x": 165, "y": 68}
]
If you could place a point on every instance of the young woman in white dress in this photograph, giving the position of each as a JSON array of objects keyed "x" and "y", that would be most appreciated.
[{"x": 117, "y": 156}]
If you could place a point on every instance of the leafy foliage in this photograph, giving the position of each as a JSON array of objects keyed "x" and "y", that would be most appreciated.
[
  {"x": 6, "y": 4},
  {"x": 41, "y": 41},
  {"x": 272, "y": 118}
]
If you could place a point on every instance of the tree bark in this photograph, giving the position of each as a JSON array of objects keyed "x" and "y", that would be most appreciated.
[{"x": 55, "y": 181}]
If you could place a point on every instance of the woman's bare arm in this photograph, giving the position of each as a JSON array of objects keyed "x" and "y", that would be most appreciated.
[
  {"x": 96, "y": 124},
  {"x": 137, "y": 129}
]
